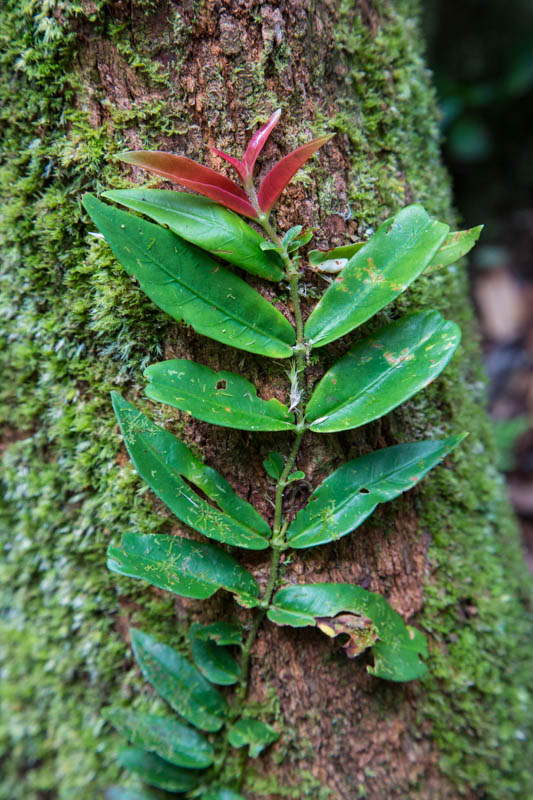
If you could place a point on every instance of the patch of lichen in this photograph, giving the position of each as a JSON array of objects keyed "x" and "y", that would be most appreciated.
[
  {"x": 73, "y": 328},
  {"x": 480, "y": 683}
]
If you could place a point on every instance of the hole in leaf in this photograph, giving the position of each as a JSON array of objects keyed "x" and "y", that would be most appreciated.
[
  {"x": 364, "y": 491},
  {"x": 221, "y": 385}
]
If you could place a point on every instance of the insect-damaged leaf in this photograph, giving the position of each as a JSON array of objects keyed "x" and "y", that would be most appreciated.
[
  {"x": 157, "y": 772},
  {"x": 360, "y": 631},
  {"x": 201, "y": 179},
  {"x": 399, "y": 647},
  {"x": 214, "y": 661},
  {"x": 221, "y": 398},
  {"x": 178, "y": 682},
  {"x": 163, "y": 462},
  {"x": 205, "y": 224},
  {"x": 382, "y": 371},
  {"x": 456, "y": 245},
  {"x": 351, "y": 493},
  {"x": 189, "y": 285},
  {"x": 254, "y": 733},
  {"x": 171, "y": 740},
  {"x": 401, "y": 249},
  {"x": 190, "y": 569}
]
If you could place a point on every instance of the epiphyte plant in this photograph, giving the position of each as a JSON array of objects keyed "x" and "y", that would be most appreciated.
[{"x": 177, "y": 263}]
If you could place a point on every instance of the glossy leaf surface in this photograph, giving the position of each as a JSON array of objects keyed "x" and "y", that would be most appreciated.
[
  {"x": 214, "y": 661},
  {"x": 190, "y": 569},
  {"x": 221, "y": 398},
  {"x": 189, "y": 285},
  {"x": 165, "y": 736},
  {"x": 164, "y": 462},
  {"x": 252, "y": 732},
  {"x": 157, "y": 772},
  {"x": 186, "y": 172},
  {"x": 399, "y": 251},
  {"x": 222, "y": 633},
  {"x": 396, "y": 654},
  {"x": 456, "y": 245},
  {"x": 205, "y": 224},
  {"x": 382, "y": 371},
  {"x": 284, "y": 170},
  {"x": 178, "y": 682},
  {"x": 351, "y": 493}
]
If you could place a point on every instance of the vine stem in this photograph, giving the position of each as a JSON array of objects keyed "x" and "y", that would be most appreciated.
[{"x": 278, "y": 541}]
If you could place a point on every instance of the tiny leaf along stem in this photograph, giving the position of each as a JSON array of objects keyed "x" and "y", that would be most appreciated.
[{"x": 177, "y": 260}]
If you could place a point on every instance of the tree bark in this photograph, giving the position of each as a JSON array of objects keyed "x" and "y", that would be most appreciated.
[{"x": 81, "y": 85}]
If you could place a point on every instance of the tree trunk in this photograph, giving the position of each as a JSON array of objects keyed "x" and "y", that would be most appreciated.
[{"x": 80, "y": 83}]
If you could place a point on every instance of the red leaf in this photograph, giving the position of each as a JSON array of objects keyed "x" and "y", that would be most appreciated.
[
  {"x": 282, "y": 172},
  {"x": 237, "y": 165},
  {"x": 186, "y": 172},
  {"x": 258, "y": 141}
]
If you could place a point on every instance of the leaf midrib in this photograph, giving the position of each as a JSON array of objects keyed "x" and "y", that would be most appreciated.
[
  {"x": 396, "y": 255},
  {"x": 210, "y": 302},
  {"x": 246, "y": 414},
  {"x": 343, "y": 503},
  {"x": 369, "y": 386}
]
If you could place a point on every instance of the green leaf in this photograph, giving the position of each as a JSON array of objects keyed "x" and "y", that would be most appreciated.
[
  {"x": 221, "y": 398},
  {"x": 396, "y": 654},
  {"x": 291, "y": 234},
  {"x": 120, "y": 793},
  {"x": 178, "y": 682},
  {"x": 401, "y": 249},
  {"x": 164, "y": 462},
  {"x": 382, "y": 371},
  {"x": 206, "y": 224},
  {"x": 190, "y": 569},
  {"x": 222, "y": 633},
  {"x": 334, "y": 260},
  {"x": 301, "y": 240},
  {"x": 215, "y": 662},
  {"x": 190, "y": 286},
  {"x": 274, "y": 465},
  {"x": 154, "y": 771},
  {"x": 171, "y": 740},
  {"x": 223, "y": 794},
  {"x": 351, "y": 493},
  {"x": 456, "y": 245},
  {"x": 299, "y": 475},
  {"x": 253, "y": 732}
]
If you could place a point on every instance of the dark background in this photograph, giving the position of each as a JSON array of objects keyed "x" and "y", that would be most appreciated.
[{"x": 481, "y": 54}]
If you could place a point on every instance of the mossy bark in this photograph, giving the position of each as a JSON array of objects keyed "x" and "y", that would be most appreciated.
[{"x": 81, "y": 82}]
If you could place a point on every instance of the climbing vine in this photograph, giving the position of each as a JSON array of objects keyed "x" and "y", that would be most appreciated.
[{"x": 177, "y": 263}]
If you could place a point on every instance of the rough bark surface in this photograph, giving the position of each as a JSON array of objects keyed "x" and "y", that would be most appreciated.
[{"x": 182, "y": 76}]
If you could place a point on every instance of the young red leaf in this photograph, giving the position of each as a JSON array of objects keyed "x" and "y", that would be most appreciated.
[
  {"x": 283, "y": 172},
  {"x": 237, "y": 165},
  {"x": 245, "y": 167},
  {"x": 186, "y": 172},
  {"x": 258, "y": 141}
]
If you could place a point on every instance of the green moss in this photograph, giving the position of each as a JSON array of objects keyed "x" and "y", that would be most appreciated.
[{"x": 479, "y": 688}]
